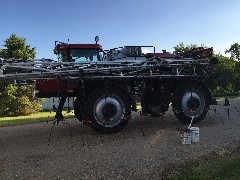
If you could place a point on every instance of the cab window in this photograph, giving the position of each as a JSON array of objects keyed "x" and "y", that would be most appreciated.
[{"x": 79, "y": 55}]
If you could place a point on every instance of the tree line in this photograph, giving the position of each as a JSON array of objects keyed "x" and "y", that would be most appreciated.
[
  {"x": 227, "y": 70},
  {"x": 20, "y": 100}
]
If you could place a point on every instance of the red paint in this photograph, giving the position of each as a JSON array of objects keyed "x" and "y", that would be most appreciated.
[
  {"x": 54, "y": 86},
  {"x": 78, "y": 46},
  {"x": 163, "y": 55}
]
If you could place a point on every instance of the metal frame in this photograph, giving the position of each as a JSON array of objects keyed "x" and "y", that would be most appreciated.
[{"x": 155, "y": 67}]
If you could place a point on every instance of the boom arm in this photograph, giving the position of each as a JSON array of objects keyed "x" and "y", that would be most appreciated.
[{"x": 155, "y": 67}]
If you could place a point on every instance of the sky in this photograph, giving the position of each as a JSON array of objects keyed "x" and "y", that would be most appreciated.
[{"x": 159, "y": 23}]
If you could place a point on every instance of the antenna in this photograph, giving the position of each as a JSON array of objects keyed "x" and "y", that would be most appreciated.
[{"x": 96, "y": 39}]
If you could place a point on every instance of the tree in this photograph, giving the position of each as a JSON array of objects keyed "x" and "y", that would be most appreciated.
[
  {"x": 17, "y": 100},
  {"x": 180, "y": 48},
  {"x": 228, "y": 75},
  {"x": 17, "y": 48},
  {"x": 234, "y": 51}
]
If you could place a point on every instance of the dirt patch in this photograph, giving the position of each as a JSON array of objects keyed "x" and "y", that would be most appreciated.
[{"x": 142, "y": 150}]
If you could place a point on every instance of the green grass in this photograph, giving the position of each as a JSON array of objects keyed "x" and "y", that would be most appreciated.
[
  {"x": 229, "y": 95},
  {"x": 221, "y": 165},
  {"x": 139, "y": 107},
  {"x": 34, "y": 118}
]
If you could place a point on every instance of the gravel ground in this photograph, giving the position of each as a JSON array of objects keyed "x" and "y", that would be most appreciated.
[{"x": 140, "y": 151}]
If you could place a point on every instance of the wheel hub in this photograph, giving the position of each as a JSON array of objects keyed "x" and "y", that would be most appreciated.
[
  {"x": 193, "y": 103},
  {"x": 108, "y": 111}
]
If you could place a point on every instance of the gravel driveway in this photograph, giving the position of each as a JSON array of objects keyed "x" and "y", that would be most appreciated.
[{"x": 140, "y": 151}]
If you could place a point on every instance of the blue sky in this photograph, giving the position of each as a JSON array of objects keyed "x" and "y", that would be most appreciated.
[{"x": 162, "y": 24}]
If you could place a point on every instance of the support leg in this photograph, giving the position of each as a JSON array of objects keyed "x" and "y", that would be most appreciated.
[{"x": 59, "y": 116}]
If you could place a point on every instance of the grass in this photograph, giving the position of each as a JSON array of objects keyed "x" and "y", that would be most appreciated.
[
  {"x": 34, "y": 118},
  {"x": 218, "y": 165},
  {"x": 139, "y": 107},
  {"x": 229, "y": 95}
]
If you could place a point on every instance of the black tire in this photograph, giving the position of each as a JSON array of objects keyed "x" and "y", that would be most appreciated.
[
  {"x": 190, "y": 100},
  {"x": 109, "y": 111}
]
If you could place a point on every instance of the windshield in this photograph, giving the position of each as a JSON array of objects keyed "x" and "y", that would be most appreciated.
[{"x": 80, "y": 55}]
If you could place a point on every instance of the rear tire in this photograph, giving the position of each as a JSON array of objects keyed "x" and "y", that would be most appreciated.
[
  {"x": 190, "y": 100},
  {"x": 109, "y": 111}
]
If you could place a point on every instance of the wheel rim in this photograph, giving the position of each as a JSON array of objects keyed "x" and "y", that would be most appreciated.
[
  {"x": 108, "y": 111},
  {"x": 193, "y": 103}
]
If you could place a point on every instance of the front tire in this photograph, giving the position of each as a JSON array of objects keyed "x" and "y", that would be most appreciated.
[
  {"x": 190, "y": 100},
  {"x": 108, "y": 111}
]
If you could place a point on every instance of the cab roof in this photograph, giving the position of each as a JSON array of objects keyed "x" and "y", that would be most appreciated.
[{"x": 79, "y": 46}]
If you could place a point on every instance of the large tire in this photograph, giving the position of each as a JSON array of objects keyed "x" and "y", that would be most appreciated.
[
  {"x": 190, "y": 100},
  {"x": 108, "y": 111}
]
